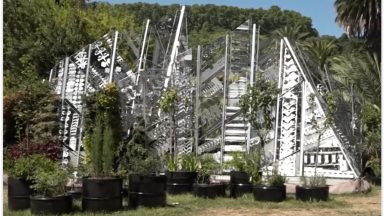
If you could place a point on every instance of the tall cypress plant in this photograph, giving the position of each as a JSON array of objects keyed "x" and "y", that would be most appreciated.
[{"x": 103, "y": 126}]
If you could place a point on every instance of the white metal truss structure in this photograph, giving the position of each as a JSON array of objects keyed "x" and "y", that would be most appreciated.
[
  {"x": 87, "y": 71},
  {"x": 296, "y": 140}
]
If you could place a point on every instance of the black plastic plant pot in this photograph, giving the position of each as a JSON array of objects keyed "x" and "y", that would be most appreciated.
[
  {"x": 312, "y": 193},
  {"x": 238, "y": 190},
  {"x": 75, "y": 192},
  {"x": 209, "y": 190},
  {"x": 269, "y": 193},
  {"x": 238, "y": 177},
  {"x": 147, "y": 190},
  {"x": 102, "y": 194},
  {"x": 180, "y": 182},
  {"x": 51, "y": 205},
  {"x": 19, "y": 192}
]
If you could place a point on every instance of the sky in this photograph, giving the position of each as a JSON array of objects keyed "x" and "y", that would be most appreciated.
[{"x": 321, "y": 12}]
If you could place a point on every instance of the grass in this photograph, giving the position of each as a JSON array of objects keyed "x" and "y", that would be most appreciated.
[{"x": 190, "y": 205}]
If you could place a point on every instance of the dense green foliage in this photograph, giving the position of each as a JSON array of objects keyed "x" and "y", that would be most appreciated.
[
  {"x": 26, "y": 167},
  {"x": 103, "y": 124},
  {"x": 137, "y": 155},
  {"x": 207, "y": 166},
  {"x": 257, "y": 105},
  {"x": 50, "y": 180}
]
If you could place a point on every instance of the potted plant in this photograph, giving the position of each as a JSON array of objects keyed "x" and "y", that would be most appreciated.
[
  {"x": 102, "y": 191},
  {"x": 49, "y": 184},
  {"x": 181, "y": 180},
  {"x": 314, "y": 188},
  {"x": 272, "y": 190},
  {"x": 239, "y": 179},
  {"x": 204, "y": 188},
  {"x": 257, "y": 106},
  {"x": 141, "y": 164},
  {"x": 21, "y": 176}
]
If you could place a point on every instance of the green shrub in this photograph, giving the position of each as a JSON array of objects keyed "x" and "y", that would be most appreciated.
[
  {"x": 253, "y": 164},
  {"x": 103, "y": 127},
  {"x": 170, "y": 162},
  {"x": 189, "y": 163},
  {"x": 50, "y": 180},
  {"x": 207, "y": 166},
  {"x": 26, "y": 167},
  {"x": 314, "y": 181},
  {"x": 238, "y": 162},
  {"x": 275, "y": 179}
]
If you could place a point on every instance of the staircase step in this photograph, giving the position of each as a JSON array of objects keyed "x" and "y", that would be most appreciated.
[
  {"x": 236, "y": 125},
  {"x": 233, "y": 108},
  {"x": 234, "y": 148},
  {"x": 236, "y": 132},
  {"x": 234, "y": 139}
]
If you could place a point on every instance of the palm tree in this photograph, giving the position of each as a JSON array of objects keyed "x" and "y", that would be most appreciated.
[
  {"x": 362, "y": 73},
  {"x": 361, "y": 18},
  {"x": 321, "y": 51},
  {"x": 293, "y": 33}
]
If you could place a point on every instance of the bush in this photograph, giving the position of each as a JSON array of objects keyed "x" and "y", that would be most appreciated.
[
  {"x": 207, "y": 166},
  {"x": 170, "y": 162},
  {"x": 26, "y": 167},
  {"x": 189, "y": 163},
  {"x": 50, "y": 180},
  {"x": 49, "y": 148},
  {"x": 314, "y": 181},
  {"x": 238, "y": 162},
  {"x": 276, "y": 180}
]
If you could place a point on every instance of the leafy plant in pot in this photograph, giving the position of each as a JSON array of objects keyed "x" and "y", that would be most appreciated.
[
  {"x": 140, "y": 162},
  {"x": 257, "y": 106},
  {"x": 21, "y": 177},
  {"x": 181, "y": 180},
  {"x": 272, "y": 190},
  {"x": 314, "y": 188},
  {"x": 50, "y": 194},
  {"x": 203, "y": 187},
  {"x": 239, "y": 178},
  {"x": 102, "y": 191}
]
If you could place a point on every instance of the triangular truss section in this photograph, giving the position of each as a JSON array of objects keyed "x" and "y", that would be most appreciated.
[
  {"x": 87, "y": 71},
  {"x": 296, "y": 142}
]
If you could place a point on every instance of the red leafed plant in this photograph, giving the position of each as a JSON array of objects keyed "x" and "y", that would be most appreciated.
[{"x": 49, "y": 148}]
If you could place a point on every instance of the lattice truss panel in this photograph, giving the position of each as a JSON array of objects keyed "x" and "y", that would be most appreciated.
[
  {"x": 296, "y": 143},
  {"x": 70, "y": 79},
  {"x": 173, "y": 69}
]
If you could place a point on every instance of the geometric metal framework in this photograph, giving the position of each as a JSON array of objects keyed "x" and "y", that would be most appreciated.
[
  {"x": 224, "y": 81},
  {"x": 87, "y": 71},
  {"x": 295, "y": 141}
]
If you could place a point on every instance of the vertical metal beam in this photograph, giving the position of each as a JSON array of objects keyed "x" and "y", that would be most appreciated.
[
  {"x": 141, "y": 60},
  {"x": 281, "y": 68},
  {"x": 64, "y": 84},
  {"x": 175, "y": 46},
  {"x": 50, "y": 75},
  {"x": 197, "y": 103},
  {"x": 224, "y": 101},
  {"x": 257, "y": 49},
  {"x": 303, "y": 113},
  {"x": 252, "y": 81},
  {"x": 88, "y": 67},
  {"x": 139, "y": 69},
  {"x": 113, "y": 57}
]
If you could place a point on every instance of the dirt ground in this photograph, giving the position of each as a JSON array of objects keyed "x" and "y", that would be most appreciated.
[{"x": 355, "y": 205}]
